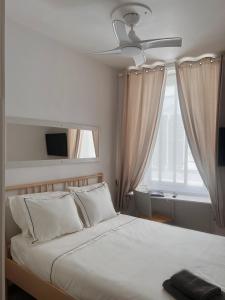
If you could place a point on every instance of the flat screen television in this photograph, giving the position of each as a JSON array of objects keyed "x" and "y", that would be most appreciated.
[
  {"x": 221, "y": 147},
  {"x": 56, "y": 144}
]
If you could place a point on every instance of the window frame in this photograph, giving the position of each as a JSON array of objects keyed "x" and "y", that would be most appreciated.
[{"x": 172, "y": 186}]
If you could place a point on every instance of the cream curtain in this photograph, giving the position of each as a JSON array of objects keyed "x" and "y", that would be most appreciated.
[
  {"x": 141, "y": 94},
  {"x": 198, "y": 88},
  {"x": 79, "y": 141},
  {"x": 95, "y": 140},
  {"x": 221, "y": 169},
  {"x": 73, "y": 138}
]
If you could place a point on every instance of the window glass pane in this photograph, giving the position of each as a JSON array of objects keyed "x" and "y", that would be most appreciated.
[
  {"x": 172, "y": 167},
  {"x": 86, "y": 148},
  {"x": 166, "y": 135},
  {"x": 180, "y": 144}
]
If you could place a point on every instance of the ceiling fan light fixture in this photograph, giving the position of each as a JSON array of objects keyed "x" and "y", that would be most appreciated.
[{"x": 131, "y": 19}]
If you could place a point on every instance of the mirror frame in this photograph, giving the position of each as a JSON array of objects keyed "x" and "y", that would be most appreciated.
[{"x": 50, "y": 162}]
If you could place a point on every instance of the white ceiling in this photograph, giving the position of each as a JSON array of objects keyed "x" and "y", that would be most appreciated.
[{"x": 86, "y": 25}]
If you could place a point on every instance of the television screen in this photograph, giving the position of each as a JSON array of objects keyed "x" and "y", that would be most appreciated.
[
  {"x": 56, "y": 144},
  {"x": 221, "y": 147}
]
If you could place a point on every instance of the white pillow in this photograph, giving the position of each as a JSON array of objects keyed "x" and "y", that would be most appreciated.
[
  {"x": 84, "y": 188},
  {"x": 95, "y": 204},
  {"x": 16, "y": 204},
  {"x": 51, "y": 218}
]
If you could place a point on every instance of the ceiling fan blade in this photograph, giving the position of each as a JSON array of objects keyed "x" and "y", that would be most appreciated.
[
  {"x": 139, "y": 59},
  {"x": 112, "y": 51},
  {"x": 158, "y": 43},
  {"x": 119, "y": 28}
]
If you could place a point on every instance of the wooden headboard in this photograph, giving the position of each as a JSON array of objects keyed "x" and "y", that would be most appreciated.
[{"x": 43, "y": 186}]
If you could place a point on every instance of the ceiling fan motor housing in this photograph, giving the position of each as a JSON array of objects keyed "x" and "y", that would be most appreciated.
[{"x": 131, "y": 13}]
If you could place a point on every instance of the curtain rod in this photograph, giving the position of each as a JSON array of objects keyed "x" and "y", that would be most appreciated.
[
  {"x": 194, "y": 59},
  {"x": 171, "y": 65}
]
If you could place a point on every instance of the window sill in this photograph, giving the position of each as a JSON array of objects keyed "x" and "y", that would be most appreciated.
[{"x": 179, "y": 197}]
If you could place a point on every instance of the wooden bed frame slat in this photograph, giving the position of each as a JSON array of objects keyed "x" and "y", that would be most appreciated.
[
  {"x": 83, "y": 180},
  {"x": 19, "y": 275}
]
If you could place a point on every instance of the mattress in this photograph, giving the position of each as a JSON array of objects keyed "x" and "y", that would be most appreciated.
[{"x": 122, "y": 258}]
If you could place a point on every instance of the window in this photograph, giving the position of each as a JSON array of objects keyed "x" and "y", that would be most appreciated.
[
  {"x": 172, "y": 167},
  {"x": 86, "y": 147}
]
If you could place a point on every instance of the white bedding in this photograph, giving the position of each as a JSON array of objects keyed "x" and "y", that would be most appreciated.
[{"x": 123, "y": 258}]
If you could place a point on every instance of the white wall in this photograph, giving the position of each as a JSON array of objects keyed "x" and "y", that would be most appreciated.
[{"x": 46, "y": 80}]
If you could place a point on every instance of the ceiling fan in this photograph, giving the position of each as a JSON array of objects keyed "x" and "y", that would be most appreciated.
[{"x": 130, "y": 45}]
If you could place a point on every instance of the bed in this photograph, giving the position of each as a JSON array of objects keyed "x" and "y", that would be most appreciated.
[{"x": 121, "y": 258}]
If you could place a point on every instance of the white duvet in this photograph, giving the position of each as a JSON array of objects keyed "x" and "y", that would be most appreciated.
[{"x": 123, "y": 258}]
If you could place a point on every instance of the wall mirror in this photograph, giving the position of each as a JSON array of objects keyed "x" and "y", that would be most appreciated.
[{"x": 32, "y": 142}]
